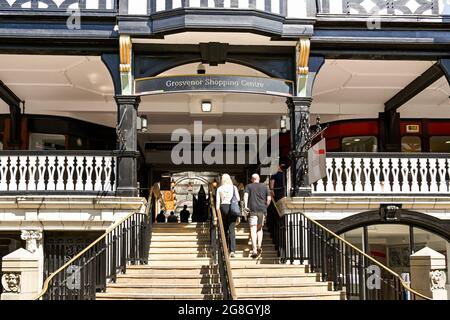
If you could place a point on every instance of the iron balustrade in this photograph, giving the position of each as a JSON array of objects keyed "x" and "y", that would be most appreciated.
[
  {"x": 58, "y": 172},
  {"x": 385, "y": 173},
  {"x": 89, "y": 272},
  {"x": 303, "y": 240},
  {"x": 220, "y": 251}
]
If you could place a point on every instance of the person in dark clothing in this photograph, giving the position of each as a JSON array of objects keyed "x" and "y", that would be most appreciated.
[
  {"x": 256, "y": 200},
  {"x": 184, "y": 215},
  {"x": 278, "y": 183},
  {"x": 161, "y": 217},
  {"x": 172, "y": 218}
]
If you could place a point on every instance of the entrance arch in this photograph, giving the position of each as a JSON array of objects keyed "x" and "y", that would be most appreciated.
[{"x": 407, "y": 217}]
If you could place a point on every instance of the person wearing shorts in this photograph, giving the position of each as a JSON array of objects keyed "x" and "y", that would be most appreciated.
[{"x": 256, "y": 200}]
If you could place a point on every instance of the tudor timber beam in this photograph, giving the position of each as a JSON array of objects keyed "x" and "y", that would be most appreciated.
[
  {"x": 427, "y": 78},
  {"x": 8, "y": 96},
  {"x": 13, "y": 101}
]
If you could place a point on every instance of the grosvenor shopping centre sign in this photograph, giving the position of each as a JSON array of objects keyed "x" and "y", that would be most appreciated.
[{"x": 214, "y": 83}]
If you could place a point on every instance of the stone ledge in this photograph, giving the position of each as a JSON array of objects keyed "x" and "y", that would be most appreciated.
[{"x": 70, "y": 202}]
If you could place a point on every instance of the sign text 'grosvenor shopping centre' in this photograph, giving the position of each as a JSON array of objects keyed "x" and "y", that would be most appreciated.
[{"x": 214, "y": 83}]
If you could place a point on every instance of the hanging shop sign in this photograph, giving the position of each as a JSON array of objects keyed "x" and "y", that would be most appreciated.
[{"x": 214, "y": 83}]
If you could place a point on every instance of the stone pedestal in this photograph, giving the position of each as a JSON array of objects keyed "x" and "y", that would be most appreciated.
[
  {"x": 20, "y": 275},
  {"x": 428, "y": 275}
]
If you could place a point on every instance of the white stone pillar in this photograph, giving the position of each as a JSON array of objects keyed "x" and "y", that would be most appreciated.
[
  {"x": 34, "y": 243},
  {"x": 428, "y": 273},
  {"x": 448, "y": 270},
  {"x": 20, "y": 279}
]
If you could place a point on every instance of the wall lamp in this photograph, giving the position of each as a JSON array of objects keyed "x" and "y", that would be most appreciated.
[{"x": 206, "y": 106}]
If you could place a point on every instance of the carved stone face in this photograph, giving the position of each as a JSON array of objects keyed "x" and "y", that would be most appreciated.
[
  {"x": 11, "y": 282},
  {"x": 438, "y": 279}
]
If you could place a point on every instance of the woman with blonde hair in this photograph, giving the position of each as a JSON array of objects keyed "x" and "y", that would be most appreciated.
[{"x": 223, "y": 203}]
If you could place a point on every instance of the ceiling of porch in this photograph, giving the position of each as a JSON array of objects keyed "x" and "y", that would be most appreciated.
[{"x": 346, "y": 89}]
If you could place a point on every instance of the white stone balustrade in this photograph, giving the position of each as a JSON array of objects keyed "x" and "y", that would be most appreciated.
[
  {"x": 41, "y": 172},
  {"x": 376, "y": 173}
]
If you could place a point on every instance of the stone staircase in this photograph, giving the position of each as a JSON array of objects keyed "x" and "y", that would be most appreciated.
[
  {"x": 265, "y": 278},
  {"x": 179, "y": 268}
]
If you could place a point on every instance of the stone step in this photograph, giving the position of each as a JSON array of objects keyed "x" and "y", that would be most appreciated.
[
  {"x": 171, "y": 277},
  {"x": 262, "y": 271},
  {"x": 292, "y": 279},
  {"x": 200, "y": 262},
  {"x": 177, "y": 237},
  {"x": 262, "y": 260},
  {"x": 289, "y": 295},
  {"x": 180, "y": 225},
  {"x": 165, "y": 288},
  {"x": 179, "y": 244},
  {"x": 206, "y": 252},
  {"x": 174, "y": 271},
  {"x": 154, "y": 296},
  {"x": 311, "y": 287},
  {"x": 178, "y": 256}
]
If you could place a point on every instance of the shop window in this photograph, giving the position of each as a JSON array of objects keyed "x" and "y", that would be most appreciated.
[
  {"x": 440, "y": 144},
  {"x": 411, "y": 144},
  {"x": 39, "y": 141},
  {"x": 360, "y": 144},
  {"x": 423, "y": 238},
  {"x": 1, "y": 141}
]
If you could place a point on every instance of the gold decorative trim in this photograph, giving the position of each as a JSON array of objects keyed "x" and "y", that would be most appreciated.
[
  {"x": 125, "y": 53},
  {"x": 303, "y": 51}
]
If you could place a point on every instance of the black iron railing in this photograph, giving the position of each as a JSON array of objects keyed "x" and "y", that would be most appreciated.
[
  {"x": 220, "y": 251},
  {"x": 361, "y": 277},
  {"x": 89, "y": 272}
]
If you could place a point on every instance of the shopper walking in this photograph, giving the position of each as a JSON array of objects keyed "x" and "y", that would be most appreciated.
[
  {"x": 256, "y": 200},
  {"x": 224, "y": 196}
]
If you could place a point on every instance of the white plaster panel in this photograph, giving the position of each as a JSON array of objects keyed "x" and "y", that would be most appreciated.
[{"x": 138, "y": 7}]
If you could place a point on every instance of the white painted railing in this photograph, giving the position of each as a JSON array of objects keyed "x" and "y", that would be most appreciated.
[
  {"x": 386, "y": 173},
  {"x": 288, "y": 8},
  {"x": 385, "y": 7},
  {"x": 57, "y": 172}
]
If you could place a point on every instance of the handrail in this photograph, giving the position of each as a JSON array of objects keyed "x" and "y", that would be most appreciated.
[
  {"x": 45, "y": 287},
  {"x": 405, "y": 286},
  {"x": 217, "y": 215}
]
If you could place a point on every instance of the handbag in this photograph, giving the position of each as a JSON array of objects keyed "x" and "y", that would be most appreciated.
[{"x": 235, "y": 209}]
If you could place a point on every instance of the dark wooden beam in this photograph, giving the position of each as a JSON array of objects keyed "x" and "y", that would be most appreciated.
[
  {"x": 8, "y": 96},
  {"x": 429, "y": 77}
]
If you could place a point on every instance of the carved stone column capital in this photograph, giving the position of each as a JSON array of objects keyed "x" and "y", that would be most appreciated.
[{"x": 31, "y": 237}]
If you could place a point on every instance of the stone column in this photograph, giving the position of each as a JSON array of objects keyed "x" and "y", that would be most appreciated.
[
  {"x": 299, "y": 109},
  {"x": 428, "y": 274},
  {"x": 127, "y": 157},
  {"x": 34, "y": 244}
]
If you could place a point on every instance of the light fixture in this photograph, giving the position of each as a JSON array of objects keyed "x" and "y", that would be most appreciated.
[
  {"x": 142, "y": 123},
  {"x": 283, "y": 124},
  {"x": 447, "y": 142},
  {"x": 172, "y": 183},
  {"x": 215, "y": 183},
  {"x": 206, "y": 106},
  {"x": 201, "y": 69},
  {"x": 357, "y": 140}
]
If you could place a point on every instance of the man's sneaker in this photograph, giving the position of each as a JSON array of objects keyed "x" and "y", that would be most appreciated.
[
  {"x": 254, "y": 255},
  {"x": 232, "y": 255}
]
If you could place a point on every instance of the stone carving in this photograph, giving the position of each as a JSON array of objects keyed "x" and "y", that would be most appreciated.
[
  {"x": 438, "y": 279},
  {"x": 31, "y": 237},
  {"x": 11, "y": 282}
]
